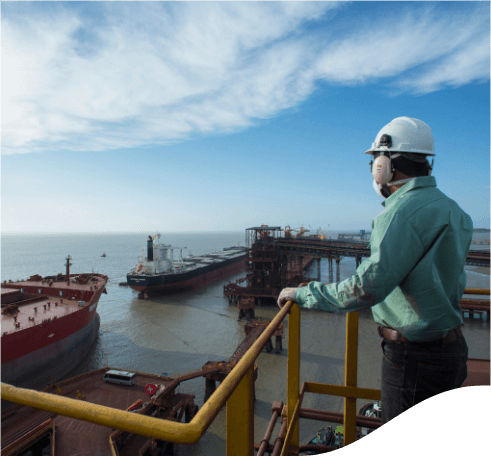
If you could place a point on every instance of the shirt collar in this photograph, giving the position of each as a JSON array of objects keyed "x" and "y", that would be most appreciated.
[{"x": 421, "y": 181}]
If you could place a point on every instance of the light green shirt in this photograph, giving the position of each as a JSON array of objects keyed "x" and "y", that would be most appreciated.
[{"x": 414, "y": 278}]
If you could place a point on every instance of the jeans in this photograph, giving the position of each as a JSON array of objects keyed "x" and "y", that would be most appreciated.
[{"x": 413, "y": 372}]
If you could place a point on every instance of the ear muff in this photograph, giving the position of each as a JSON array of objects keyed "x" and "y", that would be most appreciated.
[{"x": 382, "y": 169}]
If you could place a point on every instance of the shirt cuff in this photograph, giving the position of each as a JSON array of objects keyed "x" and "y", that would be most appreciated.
[{"x": 301, "y": 296}]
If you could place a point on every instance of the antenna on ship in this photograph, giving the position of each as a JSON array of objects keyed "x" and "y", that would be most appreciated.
[{"x": 68, "y": 264}]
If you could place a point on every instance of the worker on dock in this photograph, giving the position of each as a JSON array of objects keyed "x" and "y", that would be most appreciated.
[{"x": 414, "y": 278}]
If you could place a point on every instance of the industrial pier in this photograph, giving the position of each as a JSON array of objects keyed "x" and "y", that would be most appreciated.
[{"x": 276, "y": 259}]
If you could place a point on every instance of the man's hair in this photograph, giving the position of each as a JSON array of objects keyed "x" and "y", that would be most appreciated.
[{"x": 412, "y": 168}]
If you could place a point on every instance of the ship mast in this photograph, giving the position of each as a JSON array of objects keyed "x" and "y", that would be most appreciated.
[{"x": 68, "y": 269}]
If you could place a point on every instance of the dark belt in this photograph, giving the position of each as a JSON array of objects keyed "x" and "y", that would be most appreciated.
[{"x": 393, "y": 335}]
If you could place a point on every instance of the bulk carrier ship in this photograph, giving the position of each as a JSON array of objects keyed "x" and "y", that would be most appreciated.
[
  {"x": 159, "y": 272},
  {"x": 48, "y": 325}
]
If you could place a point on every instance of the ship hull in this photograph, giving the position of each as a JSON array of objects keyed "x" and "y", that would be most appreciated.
[
  {"x": 201, "y": 277},
  {"x": 51, "y": 363}
]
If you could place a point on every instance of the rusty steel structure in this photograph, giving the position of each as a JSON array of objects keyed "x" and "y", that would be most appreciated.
[
  {"x": 257, "y": 326},
  {"x": 371, "y": 423},
  {"x": 268, "y": 269},
  {"x": 215, "y": 372},
  {"x": 276, "y": 259}
]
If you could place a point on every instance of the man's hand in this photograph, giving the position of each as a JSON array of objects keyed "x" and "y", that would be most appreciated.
[{"x": 287, "y": 294}]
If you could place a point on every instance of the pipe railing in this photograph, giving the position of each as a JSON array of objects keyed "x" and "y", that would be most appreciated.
[
  {"x": 350, "y": 391},
  {"x": 236, "y": 388}
]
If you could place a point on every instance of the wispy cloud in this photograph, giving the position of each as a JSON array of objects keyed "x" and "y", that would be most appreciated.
[{"x": 161, "y": 72}]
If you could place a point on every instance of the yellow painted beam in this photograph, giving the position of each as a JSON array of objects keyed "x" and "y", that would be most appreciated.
[
  {"x": 293, "y": 376},
  {"x": 351, "y": 350},
  {"x": 350, "y": 377},
  {"x": 349, "y": 420},
  {"x": 240, "y": 417}
]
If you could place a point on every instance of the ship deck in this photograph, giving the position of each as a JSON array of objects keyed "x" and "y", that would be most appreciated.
[
  {"x": 34, "y": 313},
  {"x": 75, "y": 436},
  {"x": 92, "y": 281},
  {"x": 34, "y": 306},
  {"x": 193, "y": 263}
]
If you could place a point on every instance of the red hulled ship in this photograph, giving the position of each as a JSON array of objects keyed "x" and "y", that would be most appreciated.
[{"x": 48, "y": 325}]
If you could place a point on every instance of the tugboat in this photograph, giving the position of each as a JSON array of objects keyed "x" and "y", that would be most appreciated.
[{"x": 158, "y": 272}]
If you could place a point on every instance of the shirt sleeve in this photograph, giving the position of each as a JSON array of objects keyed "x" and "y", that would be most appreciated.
[{"x": 395, "y": 250}]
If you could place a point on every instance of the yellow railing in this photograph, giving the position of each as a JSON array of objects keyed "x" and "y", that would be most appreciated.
[
  {"x": 350, "y": 391},
  {"x": 237, "y": 391}
]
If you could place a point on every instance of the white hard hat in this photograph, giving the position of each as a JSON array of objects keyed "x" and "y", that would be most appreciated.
[{"x": 404, "y": 134}]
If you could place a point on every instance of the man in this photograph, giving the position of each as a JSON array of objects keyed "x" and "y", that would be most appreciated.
[{"x": 414, "y": 278}]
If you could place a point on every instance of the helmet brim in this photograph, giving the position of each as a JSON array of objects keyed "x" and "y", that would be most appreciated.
[{"x": 416, "y": 151}]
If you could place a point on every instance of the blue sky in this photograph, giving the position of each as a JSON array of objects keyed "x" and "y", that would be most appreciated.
[{"x": 183, "y": 116}]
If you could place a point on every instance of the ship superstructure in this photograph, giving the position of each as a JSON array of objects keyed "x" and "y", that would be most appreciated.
[{"x": 160, "y": 258}]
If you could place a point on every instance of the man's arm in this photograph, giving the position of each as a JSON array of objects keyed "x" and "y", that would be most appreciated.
[{"x": 395, "y": 250}]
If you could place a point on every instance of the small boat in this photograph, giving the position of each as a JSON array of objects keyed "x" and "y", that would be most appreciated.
[{"x": 103, "y": 255}]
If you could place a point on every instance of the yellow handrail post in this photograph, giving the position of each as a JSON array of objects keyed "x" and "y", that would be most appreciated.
[
  {"x": 240, "y": 417},
  {"x": 350, "y": 377},
  {"x": 293, "y": 377}
]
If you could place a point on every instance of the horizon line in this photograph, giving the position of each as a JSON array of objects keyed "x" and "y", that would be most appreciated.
[{"x": 114, "y": 232}]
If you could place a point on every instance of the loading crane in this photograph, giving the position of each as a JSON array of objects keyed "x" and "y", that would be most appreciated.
[{"x": 288, "y": 231}]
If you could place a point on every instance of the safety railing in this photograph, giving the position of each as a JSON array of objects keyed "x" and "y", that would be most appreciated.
[
  {"x": 236, "y": 391},
  {"x": 350, "y": 391}
]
